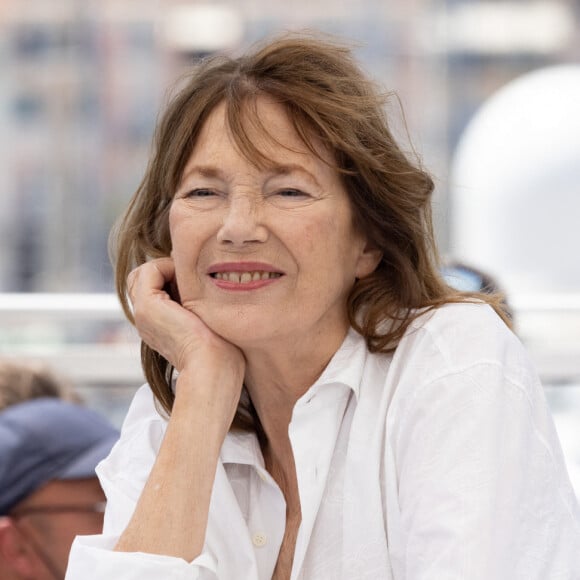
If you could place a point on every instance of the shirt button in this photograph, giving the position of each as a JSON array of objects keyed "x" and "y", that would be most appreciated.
[{"x": 259, "y": 539}]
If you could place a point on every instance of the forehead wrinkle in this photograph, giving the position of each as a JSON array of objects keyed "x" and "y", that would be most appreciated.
[{"x": 254, "y": 138}]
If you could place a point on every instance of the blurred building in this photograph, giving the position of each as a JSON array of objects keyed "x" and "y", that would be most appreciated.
[
  {"x": 79, "y": 92},
  {"x": 81, "y": 83}
]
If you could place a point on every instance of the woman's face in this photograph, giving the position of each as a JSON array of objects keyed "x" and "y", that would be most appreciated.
[{"x": 263, "y": 254}]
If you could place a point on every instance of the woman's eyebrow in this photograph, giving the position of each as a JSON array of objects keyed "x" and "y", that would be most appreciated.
[
  {"x": 208, "y": 171},
  {"x": 289, "y": 168},
  {"x": 274, "y": 170}
]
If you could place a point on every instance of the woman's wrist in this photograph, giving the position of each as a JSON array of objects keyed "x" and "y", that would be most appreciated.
[{"x": 207, "y": 398}]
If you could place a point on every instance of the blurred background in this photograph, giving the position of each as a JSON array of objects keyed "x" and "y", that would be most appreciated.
[{"x": 490, "y": 97}]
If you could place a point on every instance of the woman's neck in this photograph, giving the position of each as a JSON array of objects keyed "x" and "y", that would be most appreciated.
[{"x": 278, "y": 375}]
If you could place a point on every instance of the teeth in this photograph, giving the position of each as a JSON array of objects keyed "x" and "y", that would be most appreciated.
[{"x": 245, "y": 277}]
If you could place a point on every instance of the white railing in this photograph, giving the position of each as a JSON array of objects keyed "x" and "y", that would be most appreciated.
[
  {"x": 56, "y": 306},
  {"x": 84, "y": 336},
  {"x": 549, "y": 326},
  {"x": 88, "y": 338}
]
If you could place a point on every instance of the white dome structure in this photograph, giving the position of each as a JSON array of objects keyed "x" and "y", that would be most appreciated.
[{"x": 515, "y": 184}]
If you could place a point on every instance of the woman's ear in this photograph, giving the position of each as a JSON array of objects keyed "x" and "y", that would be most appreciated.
[
  {"x": 368, "y": 260},
  {"x": 15, "y": 553}
]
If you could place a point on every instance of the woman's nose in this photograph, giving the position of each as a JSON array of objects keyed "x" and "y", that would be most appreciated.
[{"x": 242, "y": 223}]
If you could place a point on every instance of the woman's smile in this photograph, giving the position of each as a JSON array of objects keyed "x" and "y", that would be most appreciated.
[{"x": 243, "y": 276}]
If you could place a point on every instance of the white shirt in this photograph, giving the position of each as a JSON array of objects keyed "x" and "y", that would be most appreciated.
[{"x": 439, "y": 462}]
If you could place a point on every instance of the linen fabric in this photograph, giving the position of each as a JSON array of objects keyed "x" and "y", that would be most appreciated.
[{"x": 438, "y": 462}]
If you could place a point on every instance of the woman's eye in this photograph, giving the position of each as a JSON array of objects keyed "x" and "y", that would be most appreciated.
[
  {"x": 292, "y": 193},
  {"x": 200, "y": 192}
]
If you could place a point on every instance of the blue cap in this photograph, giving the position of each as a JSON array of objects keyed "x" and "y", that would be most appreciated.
[{"x": 46, "y": 439}]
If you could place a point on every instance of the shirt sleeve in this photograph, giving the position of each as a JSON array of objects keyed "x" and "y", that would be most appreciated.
[
  {"x": 483, "y": 490},
  {"x": 93, "y": 558},
  {"x": 122, "y": 475}
]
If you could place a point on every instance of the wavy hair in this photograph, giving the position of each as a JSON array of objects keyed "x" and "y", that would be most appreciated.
[{"x": 326, "y": 96}]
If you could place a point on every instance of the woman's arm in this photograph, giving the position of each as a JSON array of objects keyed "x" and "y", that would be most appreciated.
[{"x": 171, "y": 515}]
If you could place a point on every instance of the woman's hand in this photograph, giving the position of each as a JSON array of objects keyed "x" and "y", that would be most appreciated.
[
  {"x": 208, "y": 366},
  {"x": 167, "y": 327}
]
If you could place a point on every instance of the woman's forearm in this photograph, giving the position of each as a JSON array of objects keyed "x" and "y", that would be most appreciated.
[{"x": 172, "y": 512}]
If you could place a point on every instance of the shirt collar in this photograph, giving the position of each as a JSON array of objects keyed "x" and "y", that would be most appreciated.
[
  {"x": 242, "y": 447},
  {"x": 345, "y": 368}
]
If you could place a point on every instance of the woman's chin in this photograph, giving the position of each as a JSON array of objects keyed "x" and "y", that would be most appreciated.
[{"x": 241, "y": 328}]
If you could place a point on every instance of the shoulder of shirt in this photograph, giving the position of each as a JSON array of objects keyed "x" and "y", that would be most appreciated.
[
  {"x": 455, "y": 352},
  {"x": 473, "y": 322},
  {"x": 459, "y": 336}
]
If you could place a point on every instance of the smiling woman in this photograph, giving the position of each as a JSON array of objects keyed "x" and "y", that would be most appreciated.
[
  {"x": 288, "y": 223},
  {"x": 338, "y": 410}
]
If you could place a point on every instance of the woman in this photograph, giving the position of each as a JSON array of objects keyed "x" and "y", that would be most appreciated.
[{"x": 337, "y": 411}]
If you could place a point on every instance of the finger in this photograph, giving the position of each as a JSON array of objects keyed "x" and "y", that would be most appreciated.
[
  {"x": 149, "y": 278},
  {"x": 165, "y": 267}
]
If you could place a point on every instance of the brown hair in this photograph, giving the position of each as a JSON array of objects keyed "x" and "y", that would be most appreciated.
[{"x": 327, "y": 96}]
